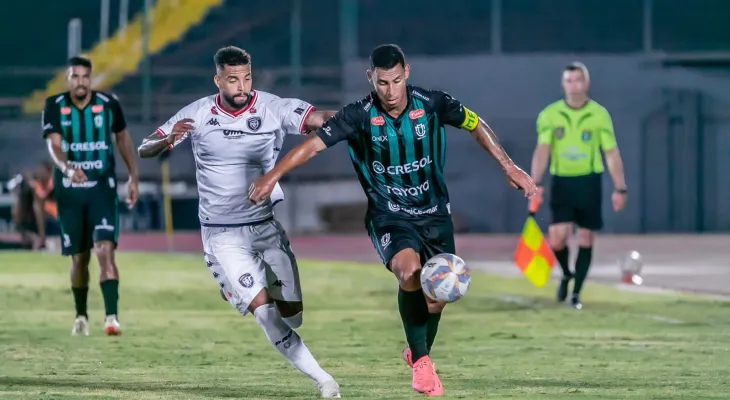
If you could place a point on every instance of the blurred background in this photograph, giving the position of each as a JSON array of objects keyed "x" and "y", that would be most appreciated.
[{"x": 661, "y": 68}]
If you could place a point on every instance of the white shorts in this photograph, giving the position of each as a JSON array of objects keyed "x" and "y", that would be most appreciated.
[{"x": 246, "y": 259}]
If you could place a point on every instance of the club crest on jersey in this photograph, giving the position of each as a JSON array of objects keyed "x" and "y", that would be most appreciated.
[
  {"x": 97, "y": 108},
  {"x": 253, "y": 123},
  {"x": 416, "y": 114},
  {"x": 586, "y": 136},
  {"x": 377, "y": 121},
  {"x": 559, "y": 132},
  {"x": 420, "y": 130},
  {"x": 98, "y": 121}
]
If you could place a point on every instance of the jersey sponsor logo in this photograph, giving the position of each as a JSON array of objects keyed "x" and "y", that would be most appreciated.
[
  {"x": 63, "y": 123},
  {"x": 96, "y": 109},
  {"x": 377, "y": 121},
  {"x": 65, "y": 110},
  {"x": 420, "y": 131},
  {"x": 559, "y": 132},
  {"x": 68, "y": 183},
  {"x": 213, "y": 122},
  {"x": 253, "y": 123},
  {"x": 231, "y": 134},
  {"x": 87, "y": 165},
  {"x": 380, "y": 138},
  {"x": 412, "y": 211},
  {"x": 419, "y": 95},
  {"x": 416, "y": 114},
  {"x": 379, "y": 168},
  {"x": 409, "y": 191},
  {"x": 585, "y": 136},
  {"x": 87, "y": 146},
  {"x": 471, "y": 120}
]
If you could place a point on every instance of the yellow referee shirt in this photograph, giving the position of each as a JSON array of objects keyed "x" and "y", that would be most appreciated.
[{"x": 576, "y": 137}]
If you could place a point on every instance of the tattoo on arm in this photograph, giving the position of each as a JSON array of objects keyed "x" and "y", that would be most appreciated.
[
  {"x": 485, "y": 136},
  {"x": 154, "y": 145}
]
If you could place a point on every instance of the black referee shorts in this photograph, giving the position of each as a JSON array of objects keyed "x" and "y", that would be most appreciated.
[{"x": 577, "y": 199}]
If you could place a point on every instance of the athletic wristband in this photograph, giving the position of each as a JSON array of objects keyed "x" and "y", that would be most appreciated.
[{"x": 621, "y": 191}]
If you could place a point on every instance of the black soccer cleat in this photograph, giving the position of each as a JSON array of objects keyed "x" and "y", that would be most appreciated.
[
  {"x": 575, "y": 301},
  {"x": 563, "y": 289}
]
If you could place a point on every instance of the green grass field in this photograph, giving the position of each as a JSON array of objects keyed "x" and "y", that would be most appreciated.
[{"x": 505, "y": 339}]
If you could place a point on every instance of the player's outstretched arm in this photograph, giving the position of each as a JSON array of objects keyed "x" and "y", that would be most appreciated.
[
  {"x": 154, "y": 145},
  {"x": 261, "y": 189}
]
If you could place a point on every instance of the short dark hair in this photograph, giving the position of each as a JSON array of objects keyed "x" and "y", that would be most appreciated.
[
  {"x": 231, "y": 56},
  {"x": 578, "y": 66},
  {"x": 79, "y": 61},
  {"x": 387, "y": 56}
]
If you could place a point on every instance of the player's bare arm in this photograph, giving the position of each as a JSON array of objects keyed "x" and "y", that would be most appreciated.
[
  {"x": 540, "y": 159},
  {"x": 126, "y": 150},
  {"x": 485, "y": 136},
  {"x": 262, "y": 188},
  {"x": 316, "y": 119},
  {"x": 616, "y": 169},
  {"x": 155, "y": 144},
  {"x": 58, "y": 156},
  {"x": 40, "y": 216}
]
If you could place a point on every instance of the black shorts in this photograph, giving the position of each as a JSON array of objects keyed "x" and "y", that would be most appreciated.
[
  {"x": 577, "y": 200},
  {"x": 87, "y": 216},
  {"x": 427, "y": 237}
]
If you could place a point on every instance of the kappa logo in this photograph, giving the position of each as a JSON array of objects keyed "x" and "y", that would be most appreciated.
[
  {"x": 278, "y": 283},
  {"x": 416, "y": 114},
  {"x": 213, "y": 122},
  {"x": 378, "y": 121},
  {"x": 216, "y": 275},
  {"x": 253, "y": 123},
  {"x": 246, "y": 280}
]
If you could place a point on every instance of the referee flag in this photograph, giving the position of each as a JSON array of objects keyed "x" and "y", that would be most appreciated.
[{"x": 533, "y": 255}]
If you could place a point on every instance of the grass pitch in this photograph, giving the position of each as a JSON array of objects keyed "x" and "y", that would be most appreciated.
[{"x": 505, "y": 339}]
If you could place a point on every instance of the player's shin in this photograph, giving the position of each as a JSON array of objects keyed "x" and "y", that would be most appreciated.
[
  {"x": 414, "y": 315},
  {"x": 289, "y": 343},
  {"x": 434, "y": 317},
  {"x": 80, "y": 282}
]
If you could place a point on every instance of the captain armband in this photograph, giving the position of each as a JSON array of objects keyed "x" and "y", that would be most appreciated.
[{"x": 471, "y": 120}]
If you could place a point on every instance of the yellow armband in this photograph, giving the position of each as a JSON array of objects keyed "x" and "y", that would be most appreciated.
[{"x": 471, "y": 120}]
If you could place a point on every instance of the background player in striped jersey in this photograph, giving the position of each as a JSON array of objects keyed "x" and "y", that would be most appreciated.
[
  {"x": 396, "y": 138},
  {"x": 236, "y": 136},
  {"x": 82, "y": 127}
]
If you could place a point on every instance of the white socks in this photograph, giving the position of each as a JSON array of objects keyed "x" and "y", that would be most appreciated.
[
  {"x": 288, "y": 342},
  {"x": 295, "y": 321}
]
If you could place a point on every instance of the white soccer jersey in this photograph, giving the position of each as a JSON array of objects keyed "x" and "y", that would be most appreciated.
[{"x": 233, "y": 150}]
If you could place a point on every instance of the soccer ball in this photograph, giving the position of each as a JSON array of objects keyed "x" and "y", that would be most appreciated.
[{"x": 445, "y": 278}]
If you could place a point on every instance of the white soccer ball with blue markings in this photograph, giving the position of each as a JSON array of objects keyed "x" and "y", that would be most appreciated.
[{"x": 445, "y": 278}]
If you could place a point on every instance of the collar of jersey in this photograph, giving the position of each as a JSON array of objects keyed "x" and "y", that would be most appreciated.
[
  {"x": 239, "y": 112},
  {"x": 376, "y": 101}
]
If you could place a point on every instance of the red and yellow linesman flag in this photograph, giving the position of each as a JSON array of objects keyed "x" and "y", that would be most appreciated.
[{"x": 533, "y": 255}]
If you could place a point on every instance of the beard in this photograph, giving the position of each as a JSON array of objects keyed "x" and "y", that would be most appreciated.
[
  {"x": 232, "y": 103},
  {"x": 78, "y": 96}
]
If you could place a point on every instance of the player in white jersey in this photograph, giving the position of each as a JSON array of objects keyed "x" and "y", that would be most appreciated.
[{"x": 236, "y": 136}]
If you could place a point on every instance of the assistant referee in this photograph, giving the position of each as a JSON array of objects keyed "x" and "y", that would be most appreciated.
[{"x": 571, "y": 133}]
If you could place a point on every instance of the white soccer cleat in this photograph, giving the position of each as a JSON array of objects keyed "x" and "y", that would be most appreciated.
[
  {"x": 329, "y": 389},
  {"x": 111, "y": 326},
  {"x": 81, "y": 326}
]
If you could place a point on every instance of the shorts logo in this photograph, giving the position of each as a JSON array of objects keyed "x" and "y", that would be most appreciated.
[
  {"x": 246, "y": 280},
  {"x": 416, "y": 114},
  {"x": 378, "y": 167},
  {"x": 393, "y": 207},
  {"x": 377, "y": 121},
  {"x": 448, "y": 208},
  {"x": 559, "y": 132},
  {"x": 254, "y": 123},
  {"x": 385, "y": 240},
  {"x": 585, "y": 136}
]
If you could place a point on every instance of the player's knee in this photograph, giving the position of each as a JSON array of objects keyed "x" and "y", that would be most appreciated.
[
  {"x": 585, "y": 237},
  {"x": 406, "y": 266},
  {"x": 80, "y": 262},
  {"x": 261, "y": 298},
  {"x": 558, "y": 236}
]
